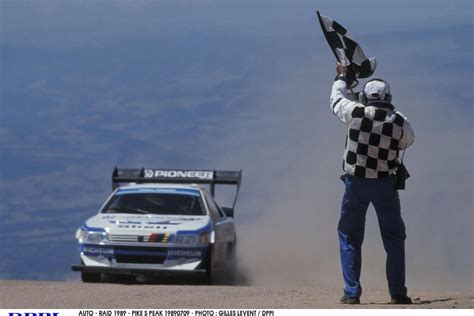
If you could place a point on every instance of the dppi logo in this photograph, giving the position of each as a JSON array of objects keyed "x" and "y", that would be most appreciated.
[{"x": 33, "y": 314}]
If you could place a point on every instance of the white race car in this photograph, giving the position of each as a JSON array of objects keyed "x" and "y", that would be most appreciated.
[{"x": 160, "y": 222}]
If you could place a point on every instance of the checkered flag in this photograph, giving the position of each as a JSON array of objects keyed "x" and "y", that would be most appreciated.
[{"x": 347, "y": 51}]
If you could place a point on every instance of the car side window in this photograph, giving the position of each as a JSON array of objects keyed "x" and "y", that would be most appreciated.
[
  {"x": 214, "y": 211},
  {"x": 221, "y": 212}
]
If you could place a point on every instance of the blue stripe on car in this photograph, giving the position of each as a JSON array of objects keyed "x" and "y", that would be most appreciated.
[
  {"x": 92, "y": 229},
  {"x": 158, "y": 190},
  {"x": 205, "y": 229}
]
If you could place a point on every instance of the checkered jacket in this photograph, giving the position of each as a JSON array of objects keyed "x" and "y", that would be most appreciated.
[{"x": 375, "y": 134}]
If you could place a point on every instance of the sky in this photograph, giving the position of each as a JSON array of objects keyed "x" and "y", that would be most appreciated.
[{"x": 89, "y": 85}]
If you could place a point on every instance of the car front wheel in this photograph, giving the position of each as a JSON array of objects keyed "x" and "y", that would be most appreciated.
[{"x": 88, "y": 277}]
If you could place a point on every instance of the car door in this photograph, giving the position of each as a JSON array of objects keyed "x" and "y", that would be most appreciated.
[{"x": 224, "y": 231}]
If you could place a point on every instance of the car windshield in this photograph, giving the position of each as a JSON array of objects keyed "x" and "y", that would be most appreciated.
[{"x": 155, "y": 203}]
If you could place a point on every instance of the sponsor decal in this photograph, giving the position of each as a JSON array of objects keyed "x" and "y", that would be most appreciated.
[
  {"x": 125, "y": 222},
  {"x": 191, "y": 174},
  {"x": 149, "y": 173},
  {"x": 163, "y": 238},
  {"x": 184, "y": 253},
  {"x": 97, "y": 250}
]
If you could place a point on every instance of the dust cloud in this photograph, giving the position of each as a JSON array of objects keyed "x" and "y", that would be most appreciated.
[{"x": 291, "y": 154}]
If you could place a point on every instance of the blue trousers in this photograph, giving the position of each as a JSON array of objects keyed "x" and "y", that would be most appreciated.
[{"x": 359, "y": 192}]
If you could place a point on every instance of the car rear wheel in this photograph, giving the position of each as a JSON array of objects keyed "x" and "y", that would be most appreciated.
[
  {"x": 209, "y": 268},
  {"x": 232, "y": 271},
  {"x": 233, "y": 252}
]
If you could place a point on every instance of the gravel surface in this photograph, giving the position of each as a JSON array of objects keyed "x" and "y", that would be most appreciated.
[{"x": 40, "y": 294}]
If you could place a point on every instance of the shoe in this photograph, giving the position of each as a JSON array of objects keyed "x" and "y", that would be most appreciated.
[
  {"x": 349, "y": 300},
  {"x": 401, "y": 299}
]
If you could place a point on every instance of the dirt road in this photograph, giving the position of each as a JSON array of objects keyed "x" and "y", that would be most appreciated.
[{"x": 39, "y": 294}]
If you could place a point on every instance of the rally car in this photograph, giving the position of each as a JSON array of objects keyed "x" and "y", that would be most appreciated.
[{"x": 160, "y": 222}]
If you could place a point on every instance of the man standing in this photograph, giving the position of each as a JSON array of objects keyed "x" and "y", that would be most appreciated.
[{"x": 376, "y": 133}]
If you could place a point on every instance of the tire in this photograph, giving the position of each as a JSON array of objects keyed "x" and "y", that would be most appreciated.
[
  {"x": 209, "y": 277},
  {"x": 88, "y": 277},
  {"x": 233, "y": 252},
  {"x": 232, "y": 271}
]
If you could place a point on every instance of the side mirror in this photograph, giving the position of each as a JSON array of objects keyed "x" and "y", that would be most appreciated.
[{"x": 229, "y": 211}]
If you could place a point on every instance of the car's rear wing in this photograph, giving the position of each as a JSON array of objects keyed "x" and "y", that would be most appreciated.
[{"x": 211, "y": 177}]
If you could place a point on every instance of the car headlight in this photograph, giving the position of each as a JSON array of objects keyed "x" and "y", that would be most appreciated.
[
  {"x": 201, "y": 240},
  {"x": 92, "y": 237}
]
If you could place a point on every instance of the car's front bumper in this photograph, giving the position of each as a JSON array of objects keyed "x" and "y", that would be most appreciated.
[
  {"x": 123, "y": 270},
  {"x": 140, "y": 258}
]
